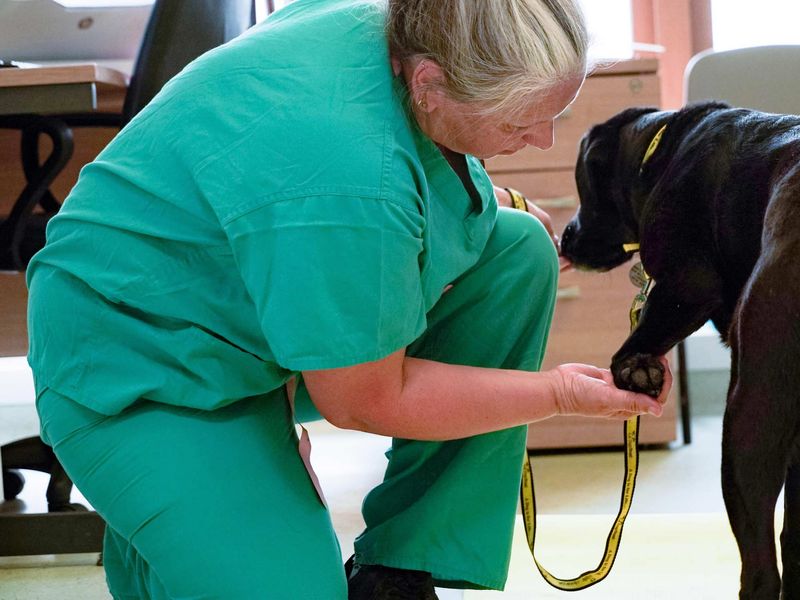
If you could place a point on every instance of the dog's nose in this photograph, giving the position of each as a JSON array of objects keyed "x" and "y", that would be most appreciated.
[{"x": 567, "y": 237}]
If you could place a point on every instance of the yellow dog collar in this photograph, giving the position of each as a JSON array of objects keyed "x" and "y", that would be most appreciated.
[{"x": 651, "y": 149}]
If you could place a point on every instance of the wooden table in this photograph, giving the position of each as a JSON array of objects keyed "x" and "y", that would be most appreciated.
[
  {"x": 31, "y": 98},
  {"x": 57, "y": 89}
]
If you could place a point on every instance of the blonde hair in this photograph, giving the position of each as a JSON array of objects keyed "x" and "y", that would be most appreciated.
[{"x": 495, "y": 54}]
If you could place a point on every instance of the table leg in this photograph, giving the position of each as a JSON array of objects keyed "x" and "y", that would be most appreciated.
[{"x": 12, "y": 230}]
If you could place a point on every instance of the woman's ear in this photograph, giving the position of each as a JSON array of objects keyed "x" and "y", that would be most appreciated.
[{"x": 427, "y": 85}]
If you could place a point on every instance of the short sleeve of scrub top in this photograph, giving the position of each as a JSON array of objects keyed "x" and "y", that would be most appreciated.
[{"x": 335, "y": 279}]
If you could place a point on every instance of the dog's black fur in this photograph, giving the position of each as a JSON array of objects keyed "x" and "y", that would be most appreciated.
[{"x": 716, "y": 210}]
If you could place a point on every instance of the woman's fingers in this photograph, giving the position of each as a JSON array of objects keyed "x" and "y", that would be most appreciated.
[
  {"x": 590, "y": 391},
  {"x": 544, "y": 217}
]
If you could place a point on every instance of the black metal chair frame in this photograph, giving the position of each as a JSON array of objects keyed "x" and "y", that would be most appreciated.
[{"x": 39, "y": 176}]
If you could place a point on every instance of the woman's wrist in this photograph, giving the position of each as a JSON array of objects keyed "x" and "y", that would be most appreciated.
[
  {"x": 554, "y": 384},
  {"x": 518, "y": 201}
]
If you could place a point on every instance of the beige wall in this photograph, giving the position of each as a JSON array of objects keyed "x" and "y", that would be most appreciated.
[{"x": 683, "y": 28}]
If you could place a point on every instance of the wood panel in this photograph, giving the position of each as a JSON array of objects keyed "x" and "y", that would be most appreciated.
[
  {"x": 13, "y": 313},
  {"x": 583, "y": 432},
  {"x": 56, "y": 75}
]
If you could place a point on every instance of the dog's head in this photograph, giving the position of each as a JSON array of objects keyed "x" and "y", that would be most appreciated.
[{"x": 609, "y": 161}]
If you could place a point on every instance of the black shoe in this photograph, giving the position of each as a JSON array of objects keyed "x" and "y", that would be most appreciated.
[{"x": 376, "y": 582}]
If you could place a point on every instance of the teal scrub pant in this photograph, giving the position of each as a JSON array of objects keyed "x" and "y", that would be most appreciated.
[{"x": 218, "y": 505}]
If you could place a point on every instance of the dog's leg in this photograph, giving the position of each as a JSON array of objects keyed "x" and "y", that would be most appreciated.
[
  {"x": 666, "y": 319},
  {"x": 790, "y": 536},
  {"x": 761, "y": 421},
  {"x": 751, "y": 483}
]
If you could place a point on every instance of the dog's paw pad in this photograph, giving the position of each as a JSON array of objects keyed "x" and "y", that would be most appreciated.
[{"x": 639, "y": 373}]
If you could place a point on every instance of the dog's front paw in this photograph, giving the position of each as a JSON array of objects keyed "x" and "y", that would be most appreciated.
[{"x": 641, "y": 373}]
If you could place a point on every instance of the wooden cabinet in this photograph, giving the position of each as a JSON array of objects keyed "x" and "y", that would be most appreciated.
[{"x": 591, "y": 317}]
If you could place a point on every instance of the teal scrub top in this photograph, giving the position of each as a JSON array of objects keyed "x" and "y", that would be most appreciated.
[{"x": 274, "y": 209}]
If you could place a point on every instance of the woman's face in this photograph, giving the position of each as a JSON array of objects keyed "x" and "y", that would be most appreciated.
[
  {"x": 456, "y": 126},
  {"x": 453, "y": 125}
]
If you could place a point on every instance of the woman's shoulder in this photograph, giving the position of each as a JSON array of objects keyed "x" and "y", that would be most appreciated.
[{"x": 319, "y": 73}]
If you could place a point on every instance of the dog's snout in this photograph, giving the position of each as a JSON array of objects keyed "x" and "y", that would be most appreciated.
[{"x": 567, "y": 236}]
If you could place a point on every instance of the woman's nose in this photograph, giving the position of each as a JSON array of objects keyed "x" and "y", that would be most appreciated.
[{"x": 540, "y": 136}]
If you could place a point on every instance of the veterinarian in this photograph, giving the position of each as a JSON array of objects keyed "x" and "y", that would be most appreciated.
[{"x": 306, "y": 205}]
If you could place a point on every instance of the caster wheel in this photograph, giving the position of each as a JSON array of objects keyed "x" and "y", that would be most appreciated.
[{"x": 13, "y": 482}]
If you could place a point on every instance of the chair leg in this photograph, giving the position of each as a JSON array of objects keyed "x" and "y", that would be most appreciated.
[
  {"x": 683, "y": 384},
  {"x": 32, "y": 453}
]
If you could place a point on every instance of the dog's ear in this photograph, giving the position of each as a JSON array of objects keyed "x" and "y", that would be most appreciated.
[
  {"x": 629, "y": 115},
  {"x": 599, "y": 144},
  {"x": 595, "y": 158},
  {"x": 599, "y": 147}
]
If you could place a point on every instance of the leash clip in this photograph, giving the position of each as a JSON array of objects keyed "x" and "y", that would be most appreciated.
[{"x": 642, "y": 280}]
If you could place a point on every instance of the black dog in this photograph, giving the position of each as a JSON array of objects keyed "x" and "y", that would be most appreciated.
[{"x": 712, "y": 194}]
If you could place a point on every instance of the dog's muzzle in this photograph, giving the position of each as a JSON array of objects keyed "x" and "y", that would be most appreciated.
[{"x": 566, "y": 238}]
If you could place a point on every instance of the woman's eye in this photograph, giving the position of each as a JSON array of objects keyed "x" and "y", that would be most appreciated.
[{"x": 510, "y": 128}]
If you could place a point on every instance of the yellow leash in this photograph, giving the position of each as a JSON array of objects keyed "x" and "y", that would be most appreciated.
[{"x": 528, "y": 500}]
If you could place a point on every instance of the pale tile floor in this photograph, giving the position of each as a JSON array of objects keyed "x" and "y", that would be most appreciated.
[{"x": 678, "y": 479}]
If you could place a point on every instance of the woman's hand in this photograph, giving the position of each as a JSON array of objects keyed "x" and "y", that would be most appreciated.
[{"x": 590, "y": 391}]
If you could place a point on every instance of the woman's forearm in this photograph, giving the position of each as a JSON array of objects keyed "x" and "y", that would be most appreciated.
[
  {"x": 441, "y": 401},
  {"x": 413, "y": 398}
]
